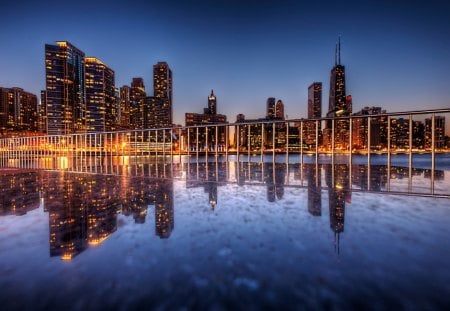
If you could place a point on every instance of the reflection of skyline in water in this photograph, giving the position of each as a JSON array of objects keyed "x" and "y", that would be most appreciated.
[{"x": 83, "y": 208}]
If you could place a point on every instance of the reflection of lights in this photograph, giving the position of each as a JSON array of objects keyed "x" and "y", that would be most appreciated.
[
  {"x": 97, "y": 241},
  {"x": 63, "y": 162},
  {"x": 66, "y": 256},
  {"x": 340, "y": 187}
]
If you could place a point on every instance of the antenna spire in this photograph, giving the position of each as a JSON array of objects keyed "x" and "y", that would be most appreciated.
[
  {"x": 335, "y": 55},
  {"x": 339, "y": 50}
]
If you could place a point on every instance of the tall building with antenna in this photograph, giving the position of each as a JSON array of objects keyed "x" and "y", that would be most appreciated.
[{"x": 338, "y": 105}]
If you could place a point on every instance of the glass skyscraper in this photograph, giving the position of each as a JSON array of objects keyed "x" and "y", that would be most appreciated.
[
  {"x": 100, "y": 96},
  {"x": 65, "y": 88}
]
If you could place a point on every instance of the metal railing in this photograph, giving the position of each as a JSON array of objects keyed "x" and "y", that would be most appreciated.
[{"x": 362, "y": 134}]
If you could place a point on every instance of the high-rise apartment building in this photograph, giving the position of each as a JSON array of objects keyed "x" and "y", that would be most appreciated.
[
  {"x": 43, "y": 112},
  {"x": 18, "y": 110},
  {"x": 100, "y": 96},
  {"x": 212, "y": 104},
  {"x": 315, "y": 100},
  {"x": 279, "y": 110},
  {"x": 137, "y": 103},
  {"x": 439, "y": 132},
  {"x": 360, "y": 128},
  {"x": 162, "y": 81},
  {"x": 159, "y": 107},
  {"x": 270, "y": 108},
  {"x": 125, "y": 107},
  {"x": 65, "y": 87},
  {"x": 314, "y": 112}
]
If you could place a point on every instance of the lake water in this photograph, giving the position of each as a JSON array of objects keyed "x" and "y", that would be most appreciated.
[{"x": 226, "y": 235}]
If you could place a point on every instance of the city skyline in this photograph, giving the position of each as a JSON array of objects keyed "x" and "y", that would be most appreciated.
[{"x": 252, "y": 51}]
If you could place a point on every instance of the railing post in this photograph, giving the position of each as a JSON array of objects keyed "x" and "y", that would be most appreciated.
[
  {"x": 273, "y": 142},
  {"x": 262, "y": 142},
  {"x": 410, "y": 154},
  {"x": 179, "y": 143},
  {"x": 156, "y": 147},
  {"x": 350, "y": 144},
  {"x": 389, "y": 154},
  {"x": 248, "y": 143},
  {"x": 217, "y": 143},
  {"x": 189, "y": 144},
  {"x": 332, "y": 141},
  {"x": 207, "y": 143},
  {"x": 433, "y": 150},
  {"x": 369, "y": 140},
  {"x": 287, "y": 145},
  {"x": 171, "y": 145},
  {"x": 237, "y": 142},
  {"x": 369, "y": 143},
  {"x": 196, "y": 141},
  {"x": 227, "y": 138},
  {"x": 164, "y": 145}
]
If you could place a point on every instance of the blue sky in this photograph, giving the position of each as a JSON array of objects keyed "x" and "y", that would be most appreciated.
[{"x": 397, "y": 55}]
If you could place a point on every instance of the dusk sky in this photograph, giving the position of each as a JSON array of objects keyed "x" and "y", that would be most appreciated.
[{"x": 397, "y": 55}]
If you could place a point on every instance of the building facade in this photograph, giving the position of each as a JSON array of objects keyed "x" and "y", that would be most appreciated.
[
  {"x": 18, "y": 111},
  {"x": 65, "y": 88},
  {"x": 207, "y": 138},
  {"x": 137, "y": 103},
  {"x": 314, "y": 112},
  {"x": 338, "y": 105},
  {"x": 160, "y": 105},
  {"x": 101, "y": 109}
]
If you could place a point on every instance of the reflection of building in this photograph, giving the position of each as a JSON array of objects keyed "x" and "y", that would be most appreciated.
[
  {"x": 102, "y": 208},
  {"x": 64, "y": 71},
  {"x": 100, "y": 96},
  {"x": 19, "y": 193},
  {"x": 208, "y": 175},
  {"x": 82, "y": 209},
  {"x": 338, "y": 193},
  {"x": 64, "y": 201},
  {"x": 18, "y": 110},
  {"x": 207, "y": 137},
  {"x": 164, "y": 213},
  {"x": 274, "y": 177},
  {"x": 313, "y": 175}
]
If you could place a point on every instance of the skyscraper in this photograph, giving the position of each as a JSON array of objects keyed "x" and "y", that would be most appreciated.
[
  {"x": 43, "y": 112},
  {"x": 314, "y": 112},
  {"x": 158, "y": 108},
  {"x": 125, "y": 107},
  {"x": 137, "y": 101},
  {"x": 100, "y": 96},
  {"x": 279, "y": 110},
  {"x": 18, "y": 110},
  {"x": 270, "y": 108},
  {"x": 338, "y": 106},
  {"x": 64, "y": 69},
  {"x": 315, "y": 100},
  {"x": 212, "y": 103},
  {"x": 162, "y": 81},
  {"x": 439, "y": 132}
]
